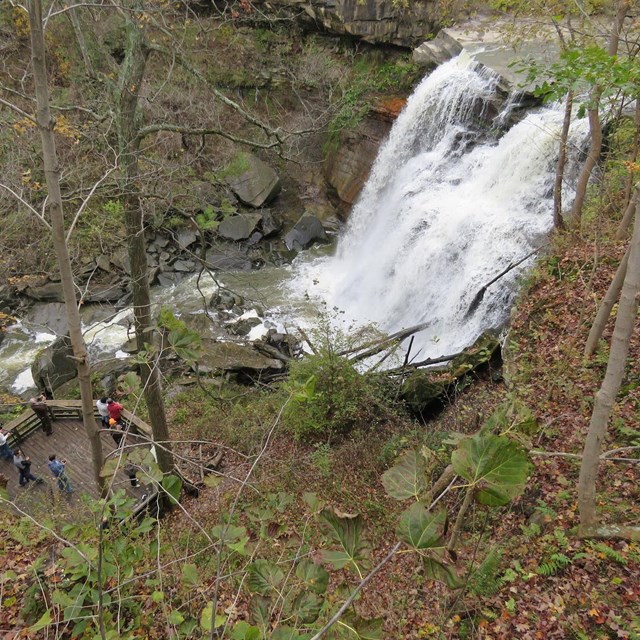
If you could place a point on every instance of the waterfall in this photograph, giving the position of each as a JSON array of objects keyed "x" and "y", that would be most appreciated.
[{"x": 447, "y": 207}]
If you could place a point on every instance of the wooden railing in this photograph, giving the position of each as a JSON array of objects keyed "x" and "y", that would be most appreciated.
[{"x": 25, "y": 424}]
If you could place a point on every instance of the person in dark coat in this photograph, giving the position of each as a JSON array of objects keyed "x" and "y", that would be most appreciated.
[
  {"x": 23, "y": 465},
  {"x": 43, "y": 411}
]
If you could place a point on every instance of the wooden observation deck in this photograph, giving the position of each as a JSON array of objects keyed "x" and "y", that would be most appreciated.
[{"x": 69, "y": 442}]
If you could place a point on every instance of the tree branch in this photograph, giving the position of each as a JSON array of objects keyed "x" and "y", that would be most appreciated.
[{"x": 26, "y": 204}]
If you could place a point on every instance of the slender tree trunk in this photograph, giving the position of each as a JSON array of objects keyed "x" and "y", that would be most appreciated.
[
  {"x": 628, "y": 214},
  {"x": 52, "y": 174},
  {"x": 595, "y": 126},
  {"x": 78, "y": 30},
  {"x": 558, "y": 221},
  {"x": 606, "y": 306},
  {"x": 625, "y": 323},
  {"x": 131, "y": 76}
]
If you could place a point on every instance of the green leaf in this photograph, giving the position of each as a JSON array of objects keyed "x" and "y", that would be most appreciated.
[
  {"x": 259, "y": 610},
  {"x": 264, "y": 576},
  {"x": 313, "y": 576},
  {"x": 420, "y": 528},
  {"x": 244, "y": 631},
  {"x": 312, "y": 501},
  {"x": 157, "y": 596},
  {"x": 172, "y": 485},
  {"x": 442, "y": 572},
  {"x": 345, "y": 530},
  {"x": 407, "y": 478},
  {"x": 287, "y": 633},
  {"x": 212, "y": 481},
  {"x": 110, "y": 467},
  {"x": 190, "y": 575},
  {"x": 175, "y": 617},
  {"x": 206, "y": 615},
  {"x": 364, "y": 629},
  {"x": 494, "y": 465},
  {"x": 306, "y": 607},
  {"x": 228, "y": 532},
  {"x": 45, "y": 621}
]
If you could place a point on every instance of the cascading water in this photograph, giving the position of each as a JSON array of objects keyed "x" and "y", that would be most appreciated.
[{"x": 445, "y": 210}]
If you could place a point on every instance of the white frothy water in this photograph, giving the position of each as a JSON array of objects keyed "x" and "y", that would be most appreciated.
[{"x": 439, "y": 218}]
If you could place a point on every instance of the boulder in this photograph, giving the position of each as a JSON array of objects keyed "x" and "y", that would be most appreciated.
[
  {"x": 227, "y": 259},
  {"x": 434, "y": 52},
  {"x": 105, "y": 292},
  {"x": 254, "y": 182},
  {"x": 185, "y": 266},
  {"x": 186, "y": 238},
  {"x": 306, "y": 231},
  {"x": 49, "y": 317},
  {"x": 230, "y": 356},
  {"x": 269, "y": 224},
  {"x": 54, "y": 365},
  {"x": 239, "y": 227},
  {"x": 47, "y": 292}
]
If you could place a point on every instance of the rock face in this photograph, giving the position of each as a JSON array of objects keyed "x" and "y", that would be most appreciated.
[
  {"x": 347, "y": 169},
  {"x": 239, "y": 227},
  {"x": 53, "y": 366},
  {"x": 229, "y": 356},
  {"x": 256, "y": 184},
  {"x": 434, "y": 52},
  {"x": 306, "y": 231},
  {"x": 375, "y": 21}
]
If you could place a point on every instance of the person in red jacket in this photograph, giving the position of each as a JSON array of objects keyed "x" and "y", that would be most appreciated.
[{"x": 115, "y": 410}]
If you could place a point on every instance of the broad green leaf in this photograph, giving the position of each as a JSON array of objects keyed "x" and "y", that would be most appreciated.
[
  {"x": 442, "y": 572},
  {"x": 44, "y": 621},
  {"x": 494, "y": 465},
  {"x": 259, "y": 610},
  {"x": 313, "y": 576},
  {"x": 264, "y": 576},
  {"x": 312, "y": 501},
  {"x": 244, "y": 631},
  {"x": 175, "y": 617},
  {"x": 364, "y": 629},
  {"x": 306, "y": 607},
  {"x": 420, "y": 528},
  {"x": 110, "y": 467},
  {"x": 346, "y": 531},
  {"x": 228, "y": 532},
  {"x": 287, "y": 633},
  {"x": 157, "y": 596},
  {"x": 172, "y": 485},
  {"x": 206, "y": 618},
  {"x": 407, "y": 478},
  {"x": 190, "y": 575}
]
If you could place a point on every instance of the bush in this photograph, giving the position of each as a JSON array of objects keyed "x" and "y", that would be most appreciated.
[{"x": 330, "y": 397}]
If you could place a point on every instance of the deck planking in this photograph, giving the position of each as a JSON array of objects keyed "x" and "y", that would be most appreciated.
[{"x": 69, "y": 442}]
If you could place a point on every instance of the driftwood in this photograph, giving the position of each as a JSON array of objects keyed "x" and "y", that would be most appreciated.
[
  {"x": 477, "y": 299},
  {"x": 267, "y": 349}
]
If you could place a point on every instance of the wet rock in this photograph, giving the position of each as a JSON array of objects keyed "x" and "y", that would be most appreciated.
[
  {"x": 103, "y": 262},
  {"x": 270, "y": 224},
  {"x": 256, "y": 183},
  {"x": 185, "y": 266},
  {"x": 434, "y": 52},
  {"x": 239, "y": 227},
  {"x": 47, "y": 317},
  {"x": 48, "y": 292},
  {"x": 224, "y": 300},
  {"x": 229, "y": 356},
  {"x": 227, "y": 259},
  {"x": 186, "y": 238},
  {"x": 54, "y": 365},
  {"x": 105, "y": 292},
  {"x": 168, "y": 279},
  {"x": 306, "y": 231}
]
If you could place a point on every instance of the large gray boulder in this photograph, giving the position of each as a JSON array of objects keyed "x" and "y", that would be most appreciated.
[
  {"x": 306, "y": 231},
  {"x": 255, "y": 183},
  {"x": 239, "y": 227},
  {"x": 434, "y": 52},
  {"x": 230, "y": 356},
  {"x": 54, "y": 365}
]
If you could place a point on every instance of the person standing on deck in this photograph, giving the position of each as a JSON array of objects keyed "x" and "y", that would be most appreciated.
[
  {"x": 43, "y": 411},
  {"x": 57, "y": 468},
  {"x": 115, "y": 410},
  {"x": 5, "y": 452},
  {"x": 23, "y": 465},
  {"x": 103, "y": 411}
]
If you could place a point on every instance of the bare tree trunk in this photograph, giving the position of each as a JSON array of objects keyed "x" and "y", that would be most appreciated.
[
  {"x": 78, "y": 31},
  {"x": 52, "y": 174},
  {"x": 625, "y": 323},
  {"x": 628, "y": 214},
  {"x": 606, "y": 306},
  {"x": 132, "y": 72},
  {"x": 595, "y": 126},
  {"x": 558, "y": 222}
]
